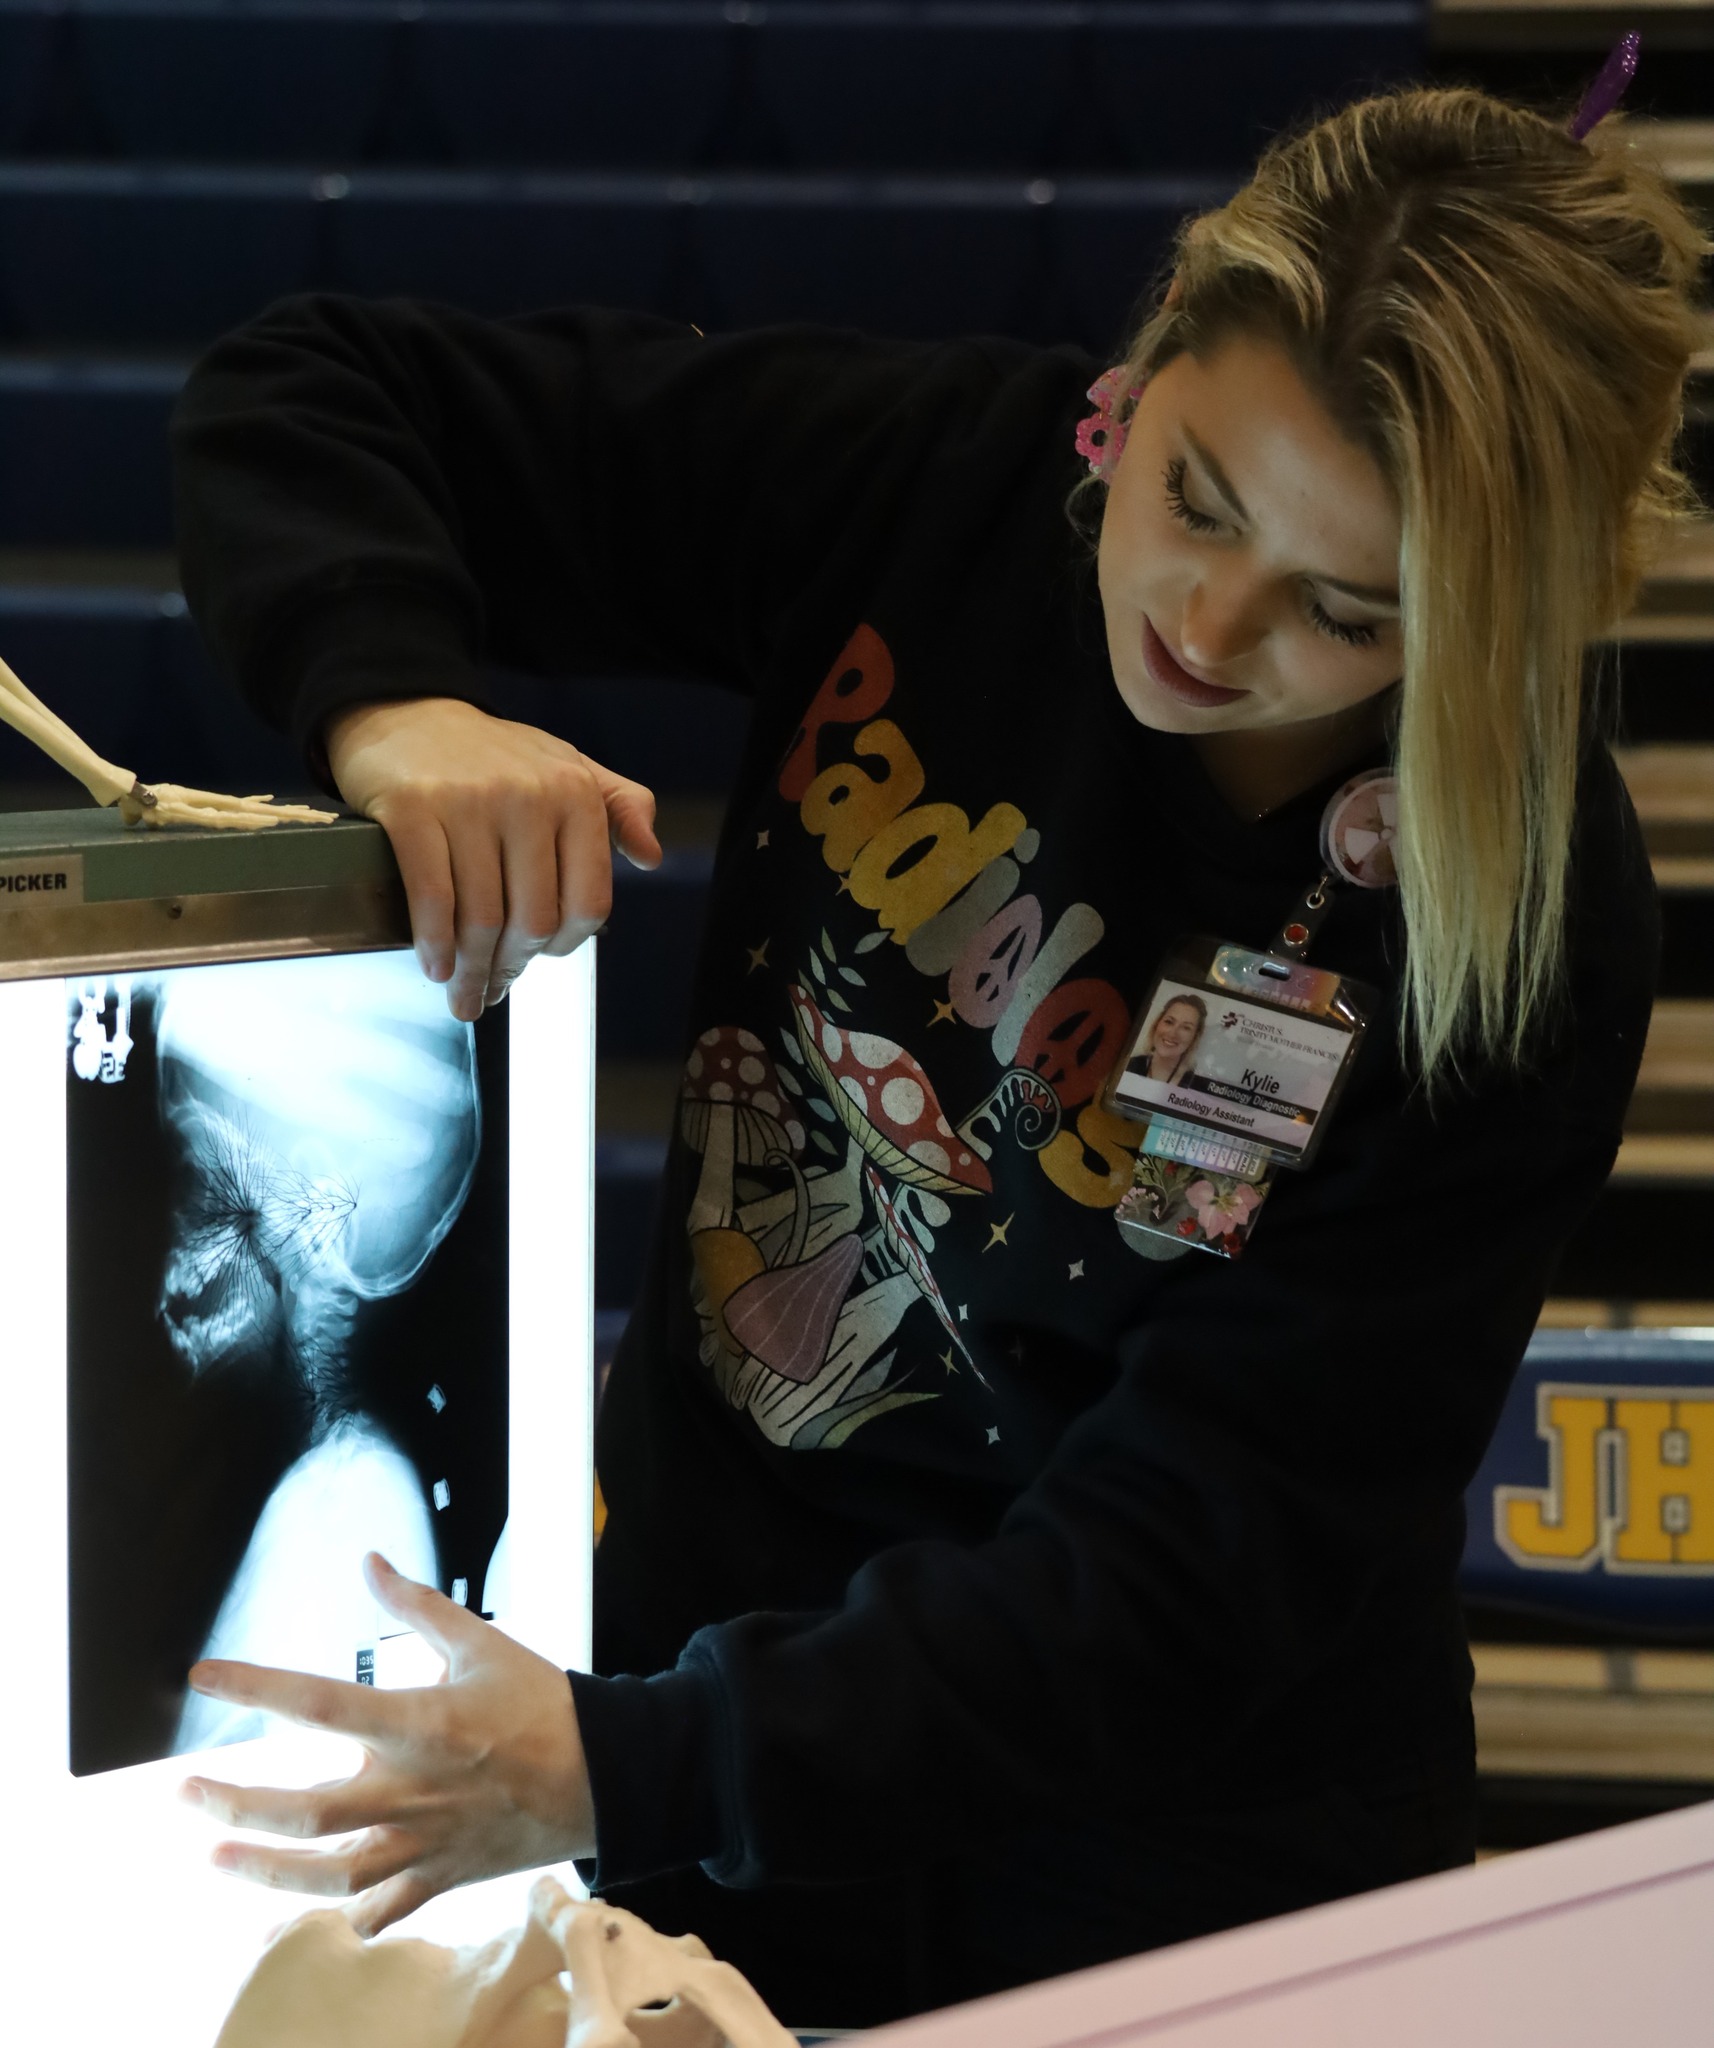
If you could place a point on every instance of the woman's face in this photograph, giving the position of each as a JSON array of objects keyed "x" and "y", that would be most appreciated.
[
  {"x": 1249, "y": 552},
  {"x": 1175, "y": 1027}
]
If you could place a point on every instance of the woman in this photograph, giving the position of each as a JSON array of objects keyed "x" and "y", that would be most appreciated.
[
  {"x": 1172, "y": 1042},
  {"x": 978, "y": 1599}
]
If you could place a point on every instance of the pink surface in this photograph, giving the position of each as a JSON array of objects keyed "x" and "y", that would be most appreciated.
[{"x": 1603, "y": 1942}]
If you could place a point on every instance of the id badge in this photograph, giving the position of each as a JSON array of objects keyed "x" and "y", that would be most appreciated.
[{"x": 1235, "y": 1068}]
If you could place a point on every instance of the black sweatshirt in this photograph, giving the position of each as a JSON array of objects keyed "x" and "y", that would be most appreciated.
[{"x": 935, "y": 1511}]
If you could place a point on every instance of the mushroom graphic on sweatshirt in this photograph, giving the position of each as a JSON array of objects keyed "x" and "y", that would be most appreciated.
[{"x": 801, "y": 1290}]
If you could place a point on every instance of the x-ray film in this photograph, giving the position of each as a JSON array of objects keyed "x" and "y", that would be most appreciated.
[{"x": 287, "y": 1289}]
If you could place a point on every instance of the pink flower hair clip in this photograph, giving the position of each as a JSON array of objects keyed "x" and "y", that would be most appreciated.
[{"x": 1101, "y": 436}]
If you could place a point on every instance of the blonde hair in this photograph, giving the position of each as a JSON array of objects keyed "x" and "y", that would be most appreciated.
[{"x": 1503, "y": 318}]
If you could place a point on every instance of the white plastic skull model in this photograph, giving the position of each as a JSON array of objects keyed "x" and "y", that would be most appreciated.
[{"x": 318, "y": 1985}]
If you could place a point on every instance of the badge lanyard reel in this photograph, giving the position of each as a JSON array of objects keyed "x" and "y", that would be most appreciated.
[{"x": 1239, "y": 1057}]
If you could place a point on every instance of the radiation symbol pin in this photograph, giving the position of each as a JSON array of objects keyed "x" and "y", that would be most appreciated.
[{"x": 1359, "y": 828}]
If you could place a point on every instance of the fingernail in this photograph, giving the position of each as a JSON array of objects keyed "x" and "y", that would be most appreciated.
[{"x": 192, "y": 1793}]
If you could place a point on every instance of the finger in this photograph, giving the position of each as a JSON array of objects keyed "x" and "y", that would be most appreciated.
[
  {"x": 369, "y": 1714},
  {"x": 630, "y": 808},
  {"x": 442, "y": 1623},
  {"x": 585, "y": 878},
  {"x": 631, "y": 819},
  {"x": 529, "y": 862},
  {"x": 339, "y": 1807},
  {"x": 425, "y": 866},
  {"x": 384, "y": 1905},
  {"x": 478, "y": 884},
  {"x": 376, "y": 1855}
]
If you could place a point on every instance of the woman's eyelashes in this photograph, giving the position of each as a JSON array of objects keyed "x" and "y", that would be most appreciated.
[
  {"x": 1340, "y": 629},
  {"x": 1199, "y": 522},
  {"x": 1182, "y": 509}
]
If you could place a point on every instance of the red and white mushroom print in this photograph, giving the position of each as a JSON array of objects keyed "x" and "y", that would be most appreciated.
[
  {"x": 735, "y": 1113},
  {"x": 887, "y": 1103}
]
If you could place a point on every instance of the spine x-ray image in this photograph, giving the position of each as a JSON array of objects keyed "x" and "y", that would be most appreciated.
[{"x": 286, "y": 1332}]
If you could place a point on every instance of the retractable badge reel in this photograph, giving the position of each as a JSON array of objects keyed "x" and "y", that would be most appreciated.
[{"x": 1239, "y": 1057}]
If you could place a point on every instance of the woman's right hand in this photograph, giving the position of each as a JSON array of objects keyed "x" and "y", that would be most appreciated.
[{"x": 503, "y": 835}]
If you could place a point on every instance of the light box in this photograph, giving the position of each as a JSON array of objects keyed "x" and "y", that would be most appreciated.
[{"x": 292, "y": 1266}]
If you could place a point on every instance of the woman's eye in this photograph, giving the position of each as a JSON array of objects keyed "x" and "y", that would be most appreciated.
[
  {"x": 1182, "y": 510},
  {"x": 1341, "y": 629},
  {"x": 1199, "y": 522}
]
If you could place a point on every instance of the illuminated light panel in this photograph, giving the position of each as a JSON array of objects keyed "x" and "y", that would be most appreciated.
[{"x": 109, "y": 1900}]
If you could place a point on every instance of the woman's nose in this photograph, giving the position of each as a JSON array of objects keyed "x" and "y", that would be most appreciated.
[{"x": 1221, "y": 623}]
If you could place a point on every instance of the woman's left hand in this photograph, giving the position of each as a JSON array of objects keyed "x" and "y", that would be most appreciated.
[{"x": 478, "y": 1775}]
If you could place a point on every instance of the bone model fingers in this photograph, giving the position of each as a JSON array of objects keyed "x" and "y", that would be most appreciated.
[
  {"x": 164, "y": 804},
  {"x": 169, "y": 803}
]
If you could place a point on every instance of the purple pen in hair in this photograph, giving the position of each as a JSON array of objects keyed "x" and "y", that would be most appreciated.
[{"x": 1607, "y": 91}]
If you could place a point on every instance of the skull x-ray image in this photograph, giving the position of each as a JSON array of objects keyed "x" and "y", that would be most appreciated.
[{"x": 287, "y": 1326}]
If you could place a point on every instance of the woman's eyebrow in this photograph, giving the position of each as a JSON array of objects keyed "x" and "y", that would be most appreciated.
[
  {"x": 1217, "y": 476},
  {"x": 1365, "y": 593},
  {"x": 1368, "y": 593}
]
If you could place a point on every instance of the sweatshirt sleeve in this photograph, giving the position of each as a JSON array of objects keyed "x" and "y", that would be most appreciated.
[
  {"x": 1203, "y": 1542},
  {"x": 376, "y": 499}
]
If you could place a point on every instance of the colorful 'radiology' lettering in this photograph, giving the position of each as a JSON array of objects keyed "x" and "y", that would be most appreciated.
[
  {"x": 1630, "y": 1486},
  {"x": 944, "y": 889},
  {"x": 828, "y": 1163}
]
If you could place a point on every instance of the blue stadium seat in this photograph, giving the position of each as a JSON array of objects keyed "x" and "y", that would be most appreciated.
[
  {"x": 969, "y": 88},
  {"x": 147, "y": 258},
  {"x": 1595, "y": 1503},
  {"x": 167, "y": 258},
  {"x": 259, "y": 84},
  {"x": 1202, "y": 84},
  {"x": 616, "y": 86},
  {"x": 507, "y": 242},
  {"x": 27, "y": 50},
  {"x": 896, "y": 257},
  {"x": 83, "y": 453}
]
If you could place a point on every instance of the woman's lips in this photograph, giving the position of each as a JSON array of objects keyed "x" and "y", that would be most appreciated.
[{"x": 1177, "y": 680}]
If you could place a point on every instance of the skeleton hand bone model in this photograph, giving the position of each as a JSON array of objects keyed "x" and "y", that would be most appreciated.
[
  {"x": 320, "y": 1986},
  {"x": 163, "y": 803}
]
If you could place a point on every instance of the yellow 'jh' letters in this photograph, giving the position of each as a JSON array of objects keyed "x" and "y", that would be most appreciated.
[{"x": 1630, "y": 1484}]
